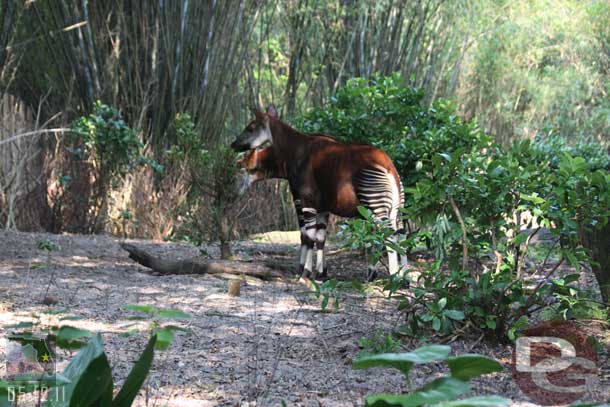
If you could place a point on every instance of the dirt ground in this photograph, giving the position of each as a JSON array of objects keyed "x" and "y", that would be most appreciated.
[{"x": 269, "y": 345}]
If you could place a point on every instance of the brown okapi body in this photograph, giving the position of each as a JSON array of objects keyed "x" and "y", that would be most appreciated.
[{"x": 327, "y": 176}]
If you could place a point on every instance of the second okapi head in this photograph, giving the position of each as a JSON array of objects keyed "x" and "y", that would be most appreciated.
[
  {"x": 258, "y": 164},
  {"x": 257, "y": 132}
]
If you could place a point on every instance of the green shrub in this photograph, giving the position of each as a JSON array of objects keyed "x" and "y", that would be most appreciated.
[
  {"x": 389, "y": 114},
  {"x": 104, "y": 148},
  {"x": 467, "y": 197},
  {"x": 212, "y": 206}
]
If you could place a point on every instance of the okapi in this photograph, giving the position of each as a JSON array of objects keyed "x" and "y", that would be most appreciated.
[
  {"x": 261, "y": 164},
  {"x": 329, "y": 176}
]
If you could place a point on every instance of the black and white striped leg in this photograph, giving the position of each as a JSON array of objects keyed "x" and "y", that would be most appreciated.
[
  {"x": 402, "y": 258},
  {"x": 309, "y": 218},
  {"x": 304, "y": 244},
  {"x": 321, "y": 223}
]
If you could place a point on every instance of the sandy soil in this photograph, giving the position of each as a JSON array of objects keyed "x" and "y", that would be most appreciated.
[{"x": 269, "y": 345}]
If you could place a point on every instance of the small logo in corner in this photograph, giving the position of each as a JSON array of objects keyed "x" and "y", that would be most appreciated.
[{"x": 554, "y": 363}]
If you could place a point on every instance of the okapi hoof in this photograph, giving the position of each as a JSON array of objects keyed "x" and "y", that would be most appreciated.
[
  {"x": 323, "y": 275},
  {"x": 306, "y": 274},
  {"x": 299, "y": 269}
]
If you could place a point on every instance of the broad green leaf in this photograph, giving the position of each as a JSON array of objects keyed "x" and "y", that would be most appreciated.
[
  {"x": 129, "y": 333},
  {"x": 136, "y": 376},
  {"x": 173, "y": 314},
  {"x": 365, "y": 213},
  {"x": 164, "y": 338},
  {"x": 442, "y": 303},
  {"x": 69, "y": 333},
  {"x": 78, "y": 369},
  {"x": 571, "y": 258},
  {"x": 454, "y": 314},
  {"x": 445, "y": 388},
  {"x": 436, "y": 323},
  {"x": 136, "y": 318},
  {"x": 403, "y": 361},
  {"x": 535, "y": 199},
  {"x": 324, "y": 303},
  {"x": 94, "y": 387},
  {"x": 178, "y": 328},
  {"x": 520, "y": 238},
  {"x": 445, "y": 156},
  {"x": 479, "y": 401},
  {"x": 69, "y": 337},
  {"x": 465, "y": 367},
  {"x": 20, "y": 325}
]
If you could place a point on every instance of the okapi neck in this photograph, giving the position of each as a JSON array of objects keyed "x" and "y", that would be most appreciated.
[{"x": 288, "y": 143}]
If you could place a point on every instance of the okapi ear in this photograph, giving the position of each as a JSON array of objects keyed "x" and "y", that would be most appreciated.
[
  {"x": 272, "y": 111},
  {"x": 259, "y": 114}
]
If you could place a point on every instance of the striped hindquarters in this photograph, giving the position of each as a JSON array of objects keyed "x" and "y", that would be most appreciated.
[{"x": 378, "y": 191}]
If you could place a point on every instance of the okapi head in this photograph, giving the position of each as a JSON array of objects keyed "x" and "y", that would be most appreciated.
[
  {"x": 257, "y": 132},
  {"x": 256, "y": 165}
]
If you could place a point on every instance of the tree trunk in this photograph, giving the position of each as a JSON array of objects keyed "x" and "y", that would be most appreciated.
[
  {"x": 225, "y": 250},
  {"x": 597, "y": 243},
  {"x": 199, "y": 266}
]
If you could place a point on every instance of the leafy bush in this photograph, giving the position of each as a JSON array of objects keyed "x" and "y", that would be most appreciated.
[
  {"x": 212, "y": 207},
  {"x": 389, "y": 114},
  {"x": 107, "y": 140},
  {"x": 441, "y": 391},
  {"x": 469, "y": 198},
  {"x": 102, "y": 149}
]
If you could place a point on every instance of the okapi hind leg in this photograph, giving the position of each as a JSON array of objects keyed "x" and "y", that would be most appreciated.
[
  {"x": 378, "y": 191},
  {"x": 404, "y": 264}
]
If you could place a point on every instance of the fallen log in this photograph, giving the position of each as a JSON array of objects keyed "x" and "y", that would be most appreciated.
[{"x": 199, "y": 265}]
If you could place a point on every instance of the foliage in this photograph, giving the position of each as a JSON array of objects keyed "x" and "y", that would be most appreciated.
[
  {"x": 212, "y": 206},
  {"x": 441, "y": 391},
  {"x": 378, "y": 343},
  {"x": 522, "y": 81},
  {"x": 105, "y": 139},
  {"x": 333, "y": 289},
  {"x": 389, "y": 114},
  {"x": 367, "y": 234},
  {"x": 102, "y": 149},
  {"x": 87, "y": 380},
  {"x": 47, "y": 245},
  {"x": 163, "y": 332},
  {"x": 469, "y": 198}
]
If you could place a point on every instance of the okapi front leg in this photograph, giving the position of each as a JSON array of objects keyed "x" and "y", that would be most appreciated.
[
  {"x": 304, "y": 239},
  {"x": 321, "y": 222},
  {"x": 309, "y": 232}
]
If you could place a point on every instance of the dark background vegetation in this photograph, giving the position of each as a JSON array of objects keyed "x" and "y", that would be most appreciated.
[{"x": 523, "y": 69}]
